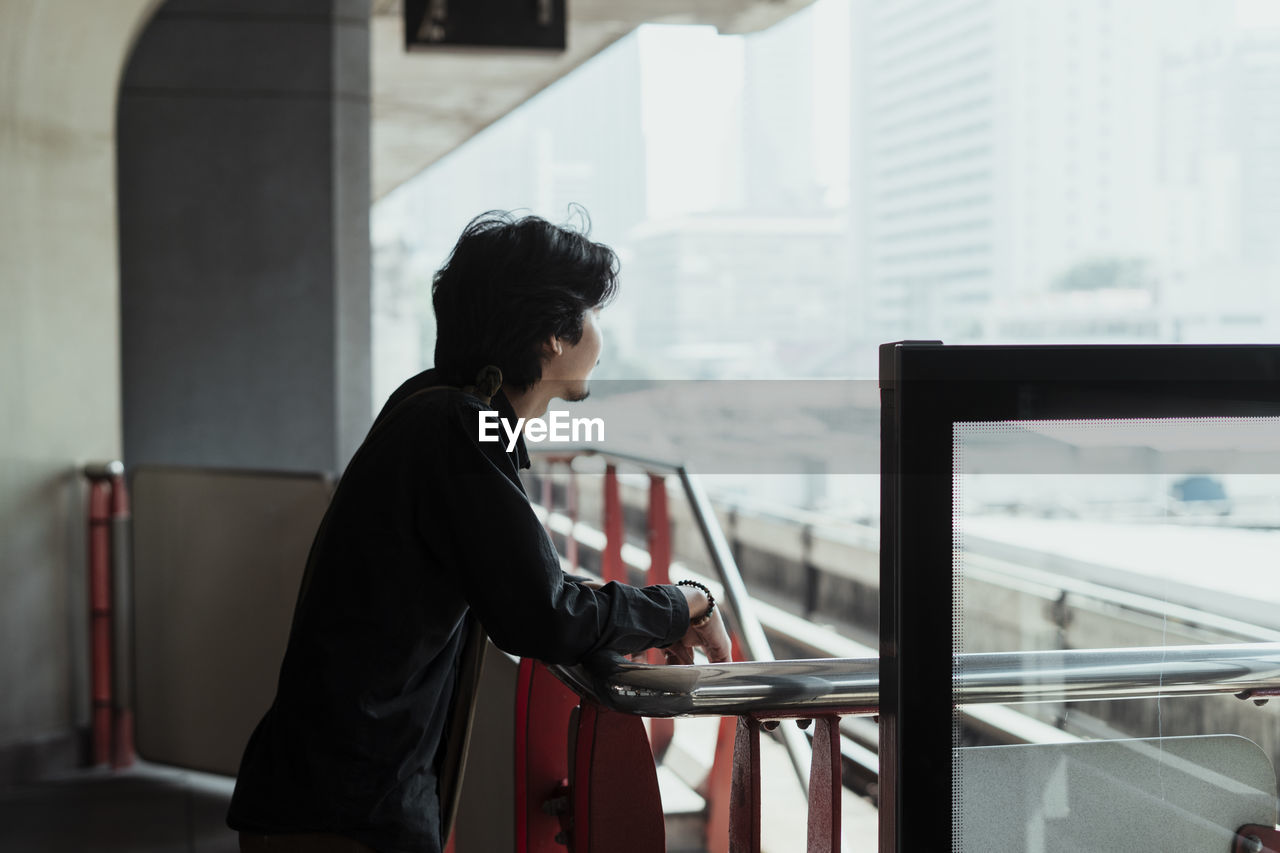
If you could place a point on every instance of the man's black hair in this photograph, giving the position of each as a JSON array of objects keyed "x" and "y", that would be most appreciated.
[{"x": 508, "y": 285}]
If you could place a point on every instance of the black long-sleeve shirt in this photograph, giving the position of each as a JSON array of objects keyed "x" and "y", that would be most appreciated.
[{"x": 427, "y": 524}]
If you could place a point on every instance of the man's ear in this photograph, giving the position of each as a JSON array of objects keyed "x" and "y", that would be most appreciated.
[{"x": 552, "y": 347}]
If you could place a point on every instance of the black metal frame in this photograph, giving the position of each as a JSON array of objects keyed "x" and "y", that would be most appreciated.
[{"x": 927, "y": 388}]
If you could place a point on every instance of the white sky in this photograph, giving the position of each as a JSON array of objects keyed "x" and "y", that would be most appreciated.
[
  {"x": 1258, "y": 14},
  {"x": 832, "y": 93},
  {"x": 691, "y": 92},
  {"x": 692, "y": 82}
]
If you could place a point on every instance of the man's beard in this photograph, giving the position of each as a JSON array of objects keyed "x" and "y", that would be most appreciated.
[{"x": 577, "y": 396}]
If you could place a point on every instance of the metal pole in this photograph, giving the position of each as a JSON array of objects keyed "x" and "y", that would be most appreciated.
[{"x": 810, "y": 688}]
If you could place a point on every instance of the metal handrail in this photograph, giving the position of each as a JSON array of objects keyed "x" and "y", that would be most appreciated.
[
  {"x": 741, "y": 617},
  {"x": 808, "y": 688}
]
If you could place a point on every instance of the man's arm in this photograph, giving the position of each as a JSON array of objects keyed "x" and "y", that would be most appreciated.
[
  {"x": 710, "y": 635},
  {"x": 506, "y": 568}
]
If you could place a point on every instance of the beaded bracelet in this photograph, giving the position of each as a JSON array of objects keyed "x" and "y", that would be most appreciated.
[{"x": 711, "y": 603}]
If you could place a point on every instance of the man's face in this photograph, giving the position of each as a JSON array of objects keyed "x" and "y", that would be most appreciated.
[{"x": 571, "y": 367}]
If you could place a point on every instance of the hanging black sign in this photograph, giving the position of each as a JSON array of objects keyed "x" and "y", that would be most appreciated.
[{"x": 520, "y": 24}]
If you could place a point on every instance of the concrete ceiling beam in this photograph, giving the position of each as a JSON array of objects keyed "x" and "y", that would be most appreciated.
[{"x": 427, "y": 103}]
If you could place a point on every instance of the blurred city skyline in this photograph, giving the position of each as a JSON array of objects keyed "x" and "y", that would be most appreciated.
[{"x": 1070, "y": 171}]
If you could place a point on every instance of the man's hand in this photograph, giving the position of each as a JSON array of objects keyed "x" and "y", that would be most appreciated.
[{"x": 711, "y": 637}]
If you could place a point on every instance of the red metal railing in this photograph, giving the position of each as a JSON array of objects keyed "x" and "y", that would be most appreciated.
[
  {"x": 587, "y": 779},
  {"x": 608, "y": 800},
  {"x": 100, "y": 618},
  {"x": 611, "y": 565},
  {"x": 571, "y": 501}
]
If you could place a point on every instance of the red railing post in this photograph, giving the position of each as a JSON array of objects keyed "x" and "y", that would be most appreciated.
[
  {"x": 661, "y": 730},
  {"x": 571, "y": 500},
  {"x": 659, "y": 531},
  {"x": 100, "y": 617},
  {"x": 825, "y": 787},
  {"x": 716, "y": 788},
  {"x": 611, "y": 567},
  {"x": 744, "y": 798},
  {"x": 546, "y": 497}
]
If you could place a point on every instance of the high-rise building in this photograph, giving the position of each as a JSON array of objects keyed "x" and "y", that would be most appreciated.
[
  {"x": 741, "y": 296},
  {"x": 925, "y": 151},
  {"x": 1003, "y": 145},
  {"x": 1220, "y": 170},
  {"x": 778, "y": 106}
]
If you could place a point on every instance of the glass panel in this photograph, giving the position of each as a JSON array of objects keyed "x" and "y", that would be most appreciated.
[{"x": 1106, "y": 534}]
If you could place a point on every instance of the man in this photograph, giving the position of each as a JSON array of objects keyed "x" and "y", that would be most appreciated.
[{"x": 428, "y": 529}]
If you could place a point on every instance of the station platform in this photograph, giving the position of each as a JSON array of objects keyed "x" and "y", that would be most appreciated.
[
  {"x": 163, "y": 809},
  {"x": 147, "y": 807}
]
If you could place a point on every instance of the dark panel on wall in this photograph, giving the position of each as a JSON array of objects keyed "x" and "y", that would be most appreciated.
[
  {"x": 218, "y": 559},
  {"x": 528, "y": 24}
]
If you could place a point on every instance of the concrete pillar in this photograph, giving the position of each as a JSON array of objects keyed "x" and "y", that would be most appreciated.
[
  {"x": 59, "y": 345},
  {"x": 243, "y": 151}
]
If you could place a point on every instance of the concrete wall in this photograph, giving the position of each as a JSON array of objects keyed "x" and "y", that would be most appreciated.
[
  {"x": 244, "y": 235},
  {"x": 245, "y": 184},
  {"x": 60, "y": 66}
]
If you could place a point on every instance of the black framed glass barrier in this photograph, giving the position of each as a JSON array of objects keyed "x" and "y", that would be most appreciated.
[{"x": 1116, "y": 511}]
